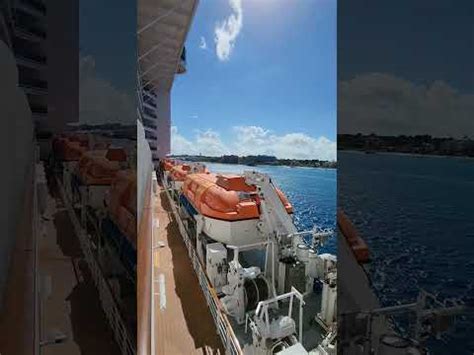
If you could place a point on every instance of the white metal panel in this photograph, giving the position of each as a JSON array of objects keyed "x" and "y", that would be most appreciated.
[{"x": 162, "y": 29}]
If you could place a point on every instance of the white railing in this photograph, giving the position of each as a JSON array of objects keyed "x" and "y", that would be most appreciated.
[
  {"x": 229, "y": 340},
  {"x": 111, "y": 310}
]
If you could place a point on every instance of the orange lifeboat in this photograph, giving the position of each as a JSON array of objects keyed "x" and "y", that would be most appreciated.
[
  {"x": 87, "y": 158},
  {"x": 116, "y": 154},
  {"x": 58, "y": 145},
  {"x": 122, "y": 204},
  {"x": 356, "y": 243},
  {"x": 79, "y": 137},
  {"x": 67, "y": 150},
  {"x": 72, "y": 151},
  {"x": 179, "y": 172},
  {"x": 97, "y": 170},
  {"x": 101, "y": 145},
  {"x": 225, "y": 197},
  {"x": 167, "y": 164}
]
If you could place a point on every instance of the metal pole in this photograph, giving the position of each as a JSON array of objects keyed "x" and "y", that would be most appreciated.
[
  {"x": 301, "y": 323},
  {"x": 290, "y": 309},
  {"x": 394, "y": 309},
  {"x": 273, "y": 268},
  {"x": 37, "y": 304}
]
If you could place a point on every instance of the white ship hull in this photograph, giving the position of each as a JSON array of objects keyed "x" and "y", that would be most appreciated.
[{"x": 231, "y": 232}]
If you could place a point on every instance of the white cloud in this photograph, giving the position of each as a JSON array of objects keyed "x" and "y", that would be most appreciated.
[
  {"x": 227, "y": 31},
  {"x": 205, "y": 142},
  {"x": 202, "y": 43},
  {"x": 179, "y": 144},
  {"x": 387, "y": 105},
  {"x": 254, "y": 140},
  {"x": 99, "y": 101}
]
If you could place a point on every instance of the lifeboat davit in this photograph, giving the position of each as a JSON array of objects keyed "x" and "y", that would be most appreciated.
[{"x": 230, "y": 207}]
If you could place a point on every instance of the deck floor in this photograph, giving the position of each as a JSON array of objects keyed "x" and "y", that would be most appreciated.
[
  {"x": 182, "y": 321},
  {"x": 69, "y": 304},
  {"x": 73, "y": 307}
]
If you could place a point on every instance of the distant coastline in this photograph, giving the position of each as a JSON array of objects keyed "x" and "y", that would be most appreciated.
[
  {"x": 254, "y": 160},
  {"x": 415, "y": 155},
  {"x": 420, "y": 145}
]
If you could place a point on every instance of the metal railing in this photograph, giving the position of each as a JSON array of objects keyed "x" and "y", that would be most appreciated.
[
  {"x": 149, "y": 101},
  {"x": 225, "y": 330},
  {"x": 149, "y": 135},
  {"x": 107, "y": 301},
  {"x": 149, "y": 123},
  {"x": 36, "y": 288},
  {"x": 148, "y": 112}
]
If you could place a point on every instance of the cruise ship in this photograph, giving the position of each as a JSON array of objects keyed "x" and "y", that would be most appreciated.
[
  {"x": 283, "y": 301},
  {"x": 220, "y": 254},
  {"x": 167, "y": 256}
]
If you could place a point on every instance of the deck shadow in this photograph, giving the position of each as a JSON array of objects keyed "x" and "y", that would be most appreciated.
[
  {"x": 90, "y": 328},
  {"x": 197, "y": 314}
]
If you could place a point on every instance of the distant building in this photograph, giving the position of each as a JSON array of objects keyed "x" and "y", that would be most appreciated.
[
  {"x": 419, "y": 144},
  {"x": 230, "y": 159}
]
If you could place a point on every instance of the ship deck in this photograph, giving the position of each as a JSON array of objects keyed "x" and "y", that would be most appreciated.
[
  {"x": 312, "y": 332},
  {"x": 181, "y": 320},
  {"x": 71, "y": 306}
]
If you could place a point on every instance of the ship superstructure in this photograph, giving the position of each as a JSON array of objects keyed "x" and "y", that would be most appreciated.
[{"x": 162, "y": 29}]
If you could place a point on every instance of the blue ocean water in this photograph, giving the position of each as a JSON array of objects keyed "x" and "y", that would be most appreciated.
[
  {"x": 312, "y": 192},
  {"x": 417, "y": 216}
]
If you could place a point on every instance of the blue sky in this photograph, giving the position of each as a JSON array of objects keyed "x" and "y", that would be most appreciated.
[
  {"x": 111, "y": 42},
  {"x": 405, "y": 67},
  {"x": 108, "y": 61},
  {"x": 418, "y": 41},
  {"x": 265, "y": 80}
]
